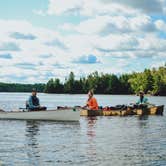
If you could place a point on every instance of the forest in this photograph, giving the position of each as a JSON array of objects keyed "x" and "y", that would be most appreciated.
[
  {"x": 152, "y": 82},
  {"x": 15, "y": 87}
]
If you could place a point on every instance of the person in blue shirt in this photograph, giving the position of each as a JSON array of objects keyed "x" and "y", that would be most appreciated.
[
  {"x": 142, "y": 98},
  {"x": 33, "y": 103}
]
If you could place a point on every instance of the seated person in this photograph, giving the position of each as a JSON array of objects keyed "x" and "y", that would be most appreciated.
[
  {"x": 91, "y": 102},
  {"x": 142, "y": 103},
  {"x": 33, "y": 103},
  {"x": 142, "y": 99}
]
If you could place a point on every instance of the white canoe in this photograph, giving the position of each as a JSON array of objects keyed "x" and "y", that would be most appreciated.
[{"x": 69, "y": 114}]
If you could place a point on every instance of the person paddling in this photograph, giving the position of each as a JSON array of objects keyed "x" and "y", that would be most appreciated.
[
  {"x": 142, "y": 98},
  {"x": 33, "y": 103},
  {"x": 91, "y": 102}
]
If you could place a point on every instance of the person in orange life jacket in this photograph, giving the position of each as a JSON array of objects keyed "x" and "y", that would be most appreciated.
[
  {"x": 33, "y": 103},
  {"x": 91, "y": 102}
]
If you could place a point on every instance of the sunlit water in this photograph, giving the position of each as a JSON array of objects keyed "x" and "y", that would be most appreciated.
[{"x": 91, "y": 141}]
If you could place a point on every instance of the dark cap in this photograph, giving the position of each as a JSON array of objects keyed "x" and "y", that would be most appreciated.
[
  {"x": 141, "y": 92},
  {"x": 34, "y": 90}
]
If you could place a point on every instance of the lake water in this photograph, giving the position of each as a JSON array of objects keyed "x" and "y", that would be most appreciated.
[{"x": 100, "y": 141}]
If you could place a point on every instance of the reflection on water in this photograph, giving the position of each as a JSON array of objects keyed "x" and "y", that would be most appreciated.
[
  {"x": 91, "y": 133},
  {"x": 143, "y": 117},
  {"x": 91, "y": 124},
  {"x": 142, "y": 120},
  {"x": 32, "y": 130},
  {"x": 31, "y": 133}
]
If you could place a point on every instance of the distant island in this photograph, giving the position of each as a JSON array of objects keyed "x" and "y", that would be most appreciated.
[{"x": 152, "y": 82}]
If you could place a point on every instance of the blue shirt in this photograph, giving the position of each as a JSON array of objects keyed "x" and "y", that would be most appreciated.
[
  {"x": 33, "y": 103},
  {"x": 144, "y": 101}
]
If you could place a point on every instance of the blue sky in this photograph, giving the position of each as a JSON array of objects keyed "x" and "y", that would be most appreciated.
[
  {"x": 41, "y": 39},
  {"x": 25, "y": 10}
]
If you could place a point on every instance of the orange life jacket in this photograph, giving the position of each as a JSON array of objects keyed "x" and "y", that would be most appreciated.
[{"x": 92, "y": 104}]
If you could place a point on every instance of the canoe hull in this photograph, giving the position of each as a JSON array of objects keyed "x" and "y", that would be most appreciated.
[
  {"x": 85, "y": 112},
  {"x": 105, "y": 113},
  {"x": 155, "y": 110},
  {"x": 52, "y": 115}
]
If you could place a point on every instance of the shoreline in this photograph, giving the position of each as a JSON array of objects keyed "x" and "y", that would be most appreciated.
[{"x": 86, "y": 94}]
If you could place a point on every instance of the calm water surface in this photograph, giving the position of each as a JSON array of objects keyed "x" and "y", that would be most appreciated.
[{"x": 91, "y": 141}]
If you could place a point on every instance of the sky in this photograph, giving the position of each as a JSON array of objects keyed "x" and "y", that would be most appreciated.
[{"x": 43, "y": 39}]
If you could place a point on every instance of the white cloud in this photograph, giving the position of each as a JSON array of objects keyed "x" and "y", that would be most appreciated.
[
  {"x": 59, "y": 7},
  {"x": 154, "y": 6},
  {"x": 105, "y": 25},
  {"x": 152, "y": 43},
  {"x": 101, "y": 7},
  {"x": 157, "y": 64},
  {"x": 86, "y": 7},
  {"x": 60, "y": 63},
  {"x": 26, "y": 61},
  {"x": 120, "y": 31},
  {"x": 161, "y": 25}
]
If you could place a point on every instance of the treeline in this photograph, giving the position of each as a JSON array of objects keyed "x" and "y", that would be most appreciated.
[
  {"x": 150, "y": 81},
  {"x": 11, "y": 87}
]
